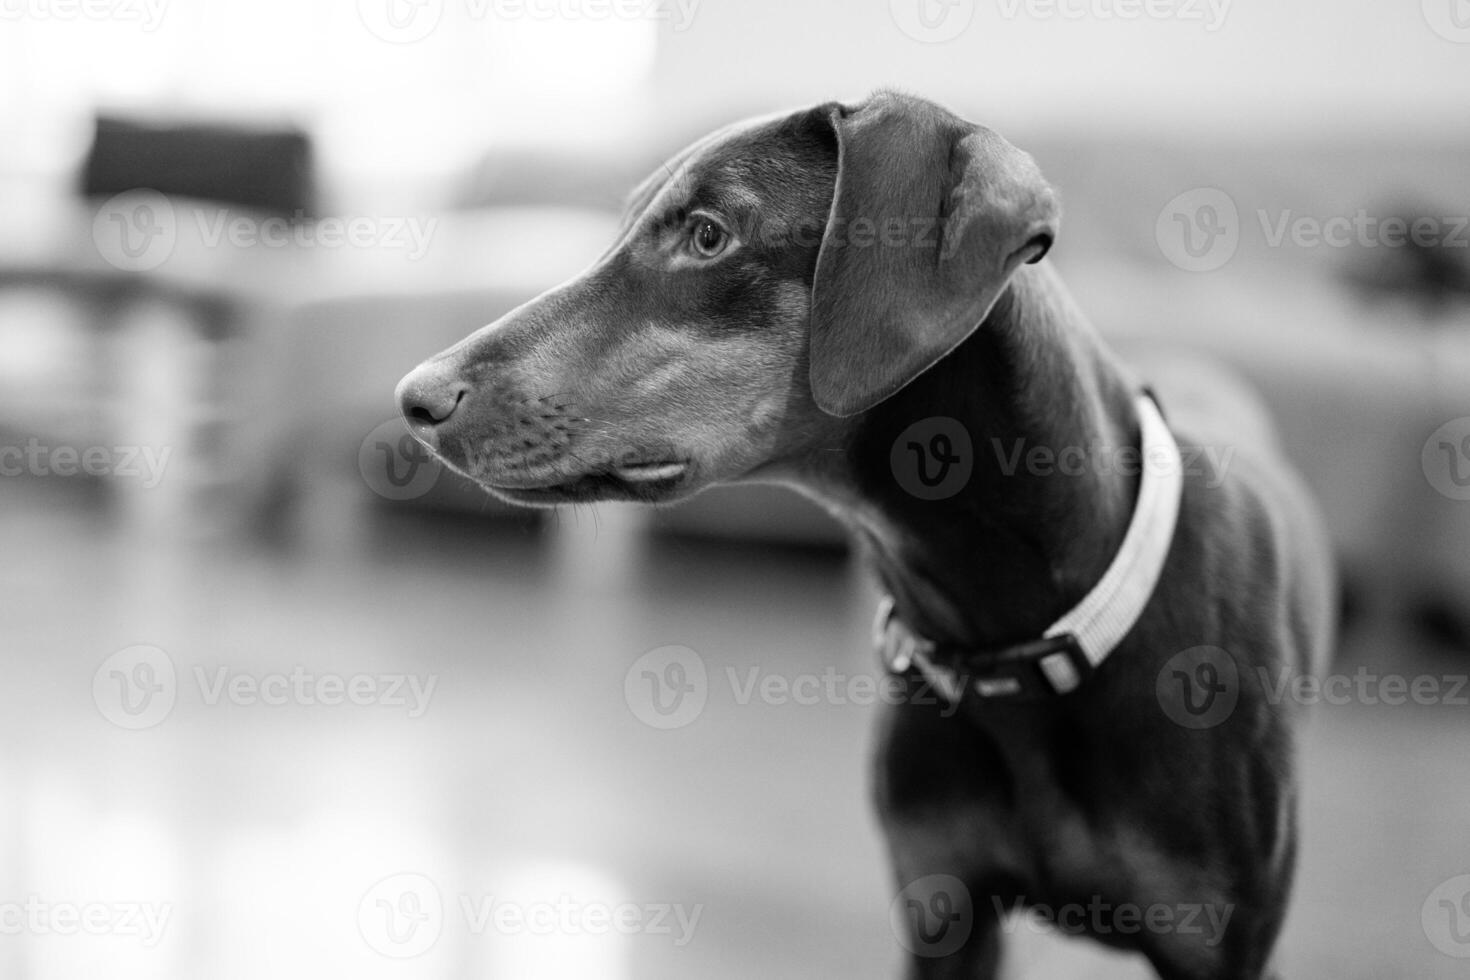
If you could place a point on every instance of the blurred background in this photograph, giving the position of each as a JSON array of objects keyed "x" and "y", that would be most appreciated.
[{"x": 283, "y": 697}]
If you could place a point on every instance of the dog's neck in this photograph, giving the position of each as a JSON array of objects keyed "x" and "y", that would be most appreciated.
[{"x": 1020, "y": 543}]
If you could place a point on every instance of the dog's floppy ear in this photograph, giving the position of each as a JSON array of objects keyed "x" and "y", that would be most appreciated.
[{"x": 930, "y": 217}]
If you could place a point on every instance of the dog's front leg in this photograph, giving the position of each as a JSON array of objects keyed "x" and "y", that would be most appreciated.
[
  {"x": 1242, "y": 950},
  {"x": 940, "y": 798},
  {"x": 951, "y": 929}
]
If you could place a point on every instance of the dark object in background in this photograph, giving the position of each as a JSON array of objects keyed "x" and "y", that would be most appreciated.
[
  {"x": 1442, "y": 622},
  {"x": 266, "y": 170},
  {"x": 1431, "y": 270}
]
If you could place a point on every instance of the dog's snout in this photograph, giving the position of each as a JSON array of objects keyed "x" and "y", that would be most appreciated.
[{"x": 428, "y": 397}]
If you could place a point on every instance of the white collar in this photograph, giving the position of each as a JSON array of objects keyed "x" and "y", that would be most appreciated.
[{"x": 1077, "y": 643}]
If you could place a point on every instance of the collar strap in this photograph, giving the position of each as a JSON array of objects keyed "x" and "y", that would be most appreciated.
[{"x": 1075, "y": 645}]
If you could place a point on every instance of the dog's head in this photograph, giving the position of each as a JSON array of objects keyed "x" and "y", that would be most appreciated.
[{"x": 773, "y": 281}]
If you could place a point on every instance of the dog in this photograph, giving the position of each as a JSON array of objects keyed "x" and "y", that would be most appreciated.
[{"x": 838, "y": 300}]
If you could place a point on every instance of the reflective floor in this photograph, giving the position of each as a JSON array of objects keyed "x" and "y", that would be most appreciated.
[{"x": 398, "y": 746}]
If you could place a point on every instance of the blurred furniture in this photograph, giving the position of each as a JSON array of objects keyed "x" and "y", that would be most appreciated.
[
  {"x": 267, "y": 170},
  {"x": 155, "y": 339},
  {"x": 308, "y": 338}
]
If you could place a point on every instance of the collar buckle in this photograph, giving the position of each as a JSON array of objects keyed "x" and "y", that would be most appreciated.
[{"x": 1032, "y": 671}]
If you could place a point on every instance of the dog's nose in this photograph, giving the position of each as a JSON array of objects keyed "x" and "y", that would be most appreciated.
[{"x": 428, "y": 397}]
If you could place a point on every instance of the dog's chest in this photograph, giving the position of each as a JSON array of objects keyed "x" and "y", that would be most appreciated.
[{"x": 957, "y": 796}]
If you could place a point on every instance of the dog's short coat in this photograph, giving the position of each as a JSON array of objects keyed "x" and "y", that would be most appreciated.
[{"x": 787, "y": 297}]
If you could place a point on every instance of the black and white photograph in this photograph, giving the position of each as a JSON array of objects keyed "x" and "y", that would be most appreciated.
[{"x": 717, "y": 489}]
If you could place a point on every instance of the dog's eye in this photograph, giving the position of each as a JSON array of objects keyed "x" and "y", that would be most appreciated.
[{"x": 709, "y": 239}]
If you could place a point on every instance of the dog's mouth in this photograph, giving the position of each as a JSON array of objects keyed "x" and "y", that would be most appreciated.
[
  {"x": 652, "y": 471},
  {"x": 646, "y": 481}
]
